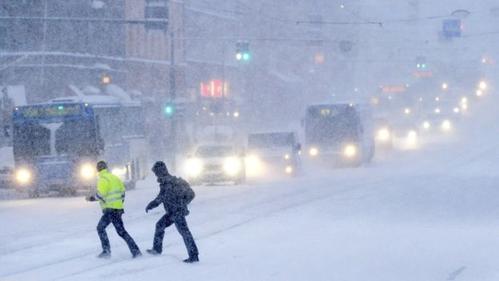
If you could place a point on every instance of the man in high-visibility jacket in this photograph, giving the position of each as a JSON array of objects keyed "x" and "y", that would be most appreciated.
[{"x": 111, "y": 195}]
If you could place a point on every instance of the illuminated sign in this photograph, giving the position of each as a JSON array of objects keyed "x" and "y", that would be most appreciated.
[
  {"x": 423, "y": 74},
  {"x": 323, "y": 111},
  {"x": 214, "y": 89},
  {"x": 393, "y": 89},
  {"x": 47, "y": 111}
]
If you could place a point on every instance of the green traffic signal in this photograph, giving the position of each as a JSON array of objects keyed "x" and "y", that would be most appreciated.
[
  {"x": 169, "y": 110},
  {"x": 246, "y": 56}
]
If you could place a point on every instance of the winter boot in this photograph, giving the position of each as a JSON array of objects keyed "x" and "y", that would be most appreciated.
[
  {"x": 136, "y": 254},
  {"x": 153, "y": 252},
  {"x": 192, "y": 259},
  {"x": 104, "y": 255}
]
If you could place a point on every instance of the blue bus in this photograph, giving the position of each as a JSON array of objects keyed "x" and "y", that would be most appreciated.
[{"x": 56, "y": 144}]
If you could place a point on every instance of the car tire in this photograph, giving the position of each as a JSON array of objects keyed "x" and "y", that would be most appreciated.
[{"x": 33, "y": 194}]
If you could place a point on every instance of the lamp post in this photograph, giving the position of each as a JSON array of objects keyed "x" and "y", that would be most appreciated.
[{"x": 172, "y": 98}]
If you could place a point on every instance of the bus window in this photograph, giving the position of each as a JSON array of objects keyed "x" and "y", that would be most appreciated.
[{"x": 110, "y": 124}]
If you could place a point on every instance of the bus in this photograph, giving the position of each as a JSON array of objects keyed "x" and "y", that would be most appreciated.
[
  {"x": 56, "y": 144},
  {"x": 341, "y": 133}
]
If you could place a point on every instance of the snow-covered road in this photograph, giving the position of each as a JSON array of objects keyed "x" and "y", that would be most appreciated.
[{"x": 425, "y": 215}]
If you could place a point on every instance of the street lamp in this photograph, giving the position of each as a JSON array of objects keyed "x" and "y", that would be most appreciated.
[
  {"x": 105, "y": 79},
  {"x": 483, "y": 85}
]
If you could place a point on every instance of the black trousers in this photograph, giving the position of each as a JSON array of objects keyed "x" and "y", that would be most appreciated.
[
  {"x": 183, "y": 229},
  {"x": 114, "y": 216}
]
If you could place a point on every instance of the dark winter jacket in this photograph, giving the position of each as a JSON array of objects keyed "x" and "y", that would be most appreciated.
[{"x": 171, "y": 196}]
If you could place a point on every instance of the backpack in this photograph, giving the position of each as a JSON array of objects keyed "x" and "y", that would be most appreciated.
[{"x": 185, "y": 190}]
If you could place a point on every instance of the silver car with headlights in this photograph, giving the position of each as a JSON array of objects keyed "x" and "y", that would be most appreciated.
[
  {"x": 215, "y": 163},
  {"x": 275, "y": 153},
  {"x": 383, "y": 135},
  {"x": 406, "y": 135}
]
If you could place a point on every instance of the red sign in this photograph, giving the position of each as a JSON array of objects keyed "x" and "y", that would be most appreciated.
[
  {"x": 213, "y": 89},
  {"x": 423, "y": 74},
  {"x": 393, "y": 89}
]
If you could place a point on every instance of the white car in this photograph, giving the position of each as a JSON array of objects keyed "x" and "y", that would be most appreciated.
[{"x": 214, "y": 164}]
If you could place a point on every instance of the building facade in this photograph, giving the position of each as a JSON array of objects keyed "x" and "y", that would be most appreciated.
[{"x": 47, "y": 45}]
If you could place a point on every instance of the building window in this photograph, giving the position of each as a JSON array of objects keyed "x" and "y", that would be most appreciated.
[
  {"x": 156, "y": 10},
  {"x": 3, "y": 38}
]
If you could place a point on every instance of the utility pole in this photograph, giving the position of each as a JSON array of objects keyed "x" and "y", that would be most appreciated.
[
  {"x": 44, "y": 44},
  {"x": 172, "y": 98}
]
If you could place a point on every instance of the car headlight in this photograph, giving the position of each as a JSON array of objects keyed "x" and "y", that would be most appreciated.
[
  {"x": 119, "y": 171},
  {"x": 288, "y": 169},
  {"x": 232, "y": 166},
  {"x": 23, "y": 176},
  {"x": 350, "y": 151},
  {"x": 383, "y": 135},
  {"x": 426, "y": 125},
  {"x": 313, "y": 151},
  {"x": 87, "y": 171},
  {"x": 254, "y": 165},
  {"x": 193, "y": 167},
  {"x": 446, "y": 125},
  {"x": 412, "y": 138},
  {"x": 286, "y": 156}
]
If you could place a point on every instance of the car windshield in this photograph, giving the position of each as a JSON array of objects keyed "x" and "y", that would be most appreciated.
[
  {"x": 271, "y": 140},
  {"x": 214, "y": 151}
]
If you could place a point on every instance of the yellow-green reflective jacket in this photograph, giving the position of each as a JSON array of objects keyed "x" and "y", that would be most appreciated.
[{"x": 110, "y": 191}]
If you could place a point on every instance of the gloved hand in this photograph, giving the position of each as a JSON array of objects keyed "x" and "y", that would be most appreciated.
[
  {"x": 149, "y": 207},
  {"x": 90, "y": 198}
]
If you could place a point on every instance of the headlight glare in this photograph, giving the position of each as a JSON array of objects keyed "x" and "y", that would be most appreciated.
[
  {"x": 254, "y": 165},
  {"x": 383, "y": 135},
  {"x": 232, "y": 166},
  {"x": 87, "y": 171},
  {"x": 313, "y": 151},
  {"x": 350, "y": 151},
  {"x": 23, "y": 176},
  {"x": 119, "y": 171},
  {"x": 193, "y": 167},
  {"x": 446, "y": 125},
  {"x": 412, "y": 138}
]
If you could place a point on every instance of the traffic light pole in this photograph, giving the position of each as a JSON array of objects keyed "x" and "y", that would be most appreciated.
[{"x": 173, "y": 96}]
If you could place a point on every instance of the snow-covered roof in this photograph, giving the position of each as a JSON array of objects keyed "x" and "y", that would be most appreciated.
[
  {"x": 116, "y": 91},
  {"x": 268, "y": 132},
  {"x": 17, "y": 93},
  {"x": 93, "y": 100}
]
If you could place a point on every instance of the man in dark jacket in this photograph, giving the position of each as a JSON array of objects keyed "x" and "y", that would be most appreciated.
[{"x": 174, "y": 199}]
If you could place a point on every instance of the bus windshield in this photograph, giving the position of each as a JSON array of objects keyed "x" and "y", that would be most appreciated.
[
  {"x": 37, "y": 132},
  {"x": 332, "y": 124}
]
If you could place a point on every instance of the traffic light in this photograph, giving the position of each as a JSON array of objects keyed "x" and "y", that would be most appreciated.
[
  {"x": 242, "y": 51},
  {"x": 421, "y": 63},
  {"x": 169, "y": 110}
]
